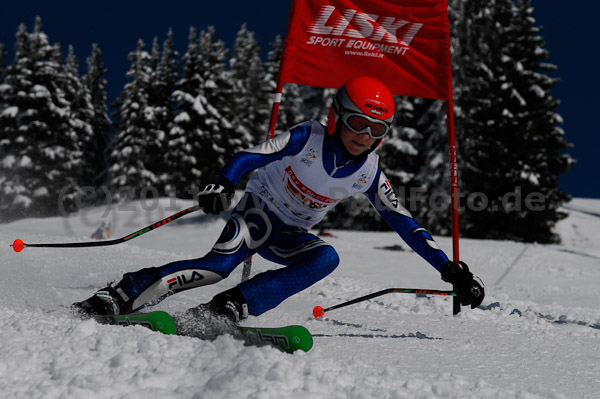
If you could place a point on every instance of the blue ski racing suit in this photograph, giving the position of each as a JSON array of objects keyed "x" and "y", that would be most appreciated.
[{"x": 300, "y": 175}]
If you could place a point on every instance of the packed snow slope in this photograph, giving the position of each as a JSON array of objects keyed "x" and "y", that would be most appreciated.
[{"x": 536, "y": 335}]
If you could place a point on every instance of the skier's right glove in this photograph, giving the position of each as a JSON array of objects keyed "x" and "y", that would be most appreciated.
[
  {"x": 216, "y": 197},
  {"x": 469, "y": 288}
]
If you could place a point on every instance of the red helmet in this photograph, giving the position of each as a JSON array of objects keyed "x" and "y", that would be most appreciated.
[{"x": 367, "y": 98}]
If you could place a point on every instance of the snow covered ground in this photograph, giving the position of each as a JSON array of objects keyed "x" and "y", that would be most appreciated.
[{"x": 537, "y": 334}]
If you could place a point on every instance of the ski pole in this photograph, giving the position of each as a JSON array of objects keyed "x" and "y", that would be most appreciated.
[
  {"x": 18, "y": 245},
  {"x": 318, "y": 311}
]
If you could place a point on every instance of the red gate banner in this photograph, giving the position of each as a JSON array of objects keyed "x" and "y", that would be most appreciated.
[{"x": 404, "y": 43}]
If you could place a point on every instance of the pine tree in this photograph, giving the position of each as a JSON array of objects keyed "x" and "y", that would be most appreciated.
[
  {"x": 399, "y": 150},
  {"x": 536, "y": 160},
  {"x": 163, "y": 74},
  {"x": 251, "y": 97},
  {"x": 204, "y": 133},
  {"x": 136, "y": 152},
  {"x": 81, "y": 118},
  {"x": 95, "y": 148},
  {"x": 39, "y": 145},
  {"x": 430, "y": 199},
  {"x": 219, "y": 90},
  {"x": 212, "y": 56},
  {"x": 165, "y": 69},
  {"x": 181, "y": 161},
  {"x": 2, "y": 61},
  {"x": 14, "y": 161},
  {"x": 509, "y": 139}
]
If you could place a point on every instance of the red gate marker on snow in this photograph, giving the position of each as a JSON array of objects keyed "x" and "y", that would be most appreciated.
[
  {"x": 318, "y": 312},
  {"x": 18, "y": 245}
]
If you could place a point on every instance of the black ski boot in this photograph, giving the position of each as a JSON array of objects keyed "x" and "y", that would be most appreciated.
[
  {"x": 231, "y": 304},
  {"x": 210, "y": 320},
  {"x": 110, "y": 300}
]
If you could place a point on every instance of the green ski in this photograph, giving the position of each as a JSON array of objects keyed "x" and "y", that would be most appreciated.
[
  {"x": 288, "y": 339},
  {"x": 156, "y": 321}
]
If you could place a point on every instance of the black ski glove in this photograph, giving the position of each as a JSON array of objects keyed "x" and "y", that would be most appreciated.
[
  {"x": 216, "y": 197},
  {"x": 469, "y": 288}
]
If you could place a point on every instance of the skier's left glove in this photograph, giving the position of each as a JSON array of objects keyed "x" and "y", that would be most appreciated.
[
  {"x": 216, "y": 197},
  {"x": 469, "y": 288}
]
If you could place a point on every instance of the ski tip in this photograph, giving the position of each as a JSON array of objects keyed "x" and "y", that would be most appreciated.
[
  {"x": 165, "y": 323},
  {"x": 288, "y": 339},
  {"x": 308, "y": 342},
  {"x": 301, "y": 339},
  {"x": 318, "y": 312},
  {"x": 18, "y": 245}
]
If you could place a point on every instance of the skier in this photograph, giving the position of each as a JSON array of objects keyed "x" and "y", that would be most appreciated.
[{"x": 300, "y": 175}]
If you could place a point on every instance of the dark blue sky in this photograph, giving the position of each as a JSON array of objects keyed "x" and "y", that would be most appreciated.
[{"x": 115, "y": 26}]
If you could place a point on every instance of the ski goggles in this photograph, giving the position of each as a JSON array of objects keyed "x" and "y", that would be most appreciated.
[{"x": 361, "y": 123}]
